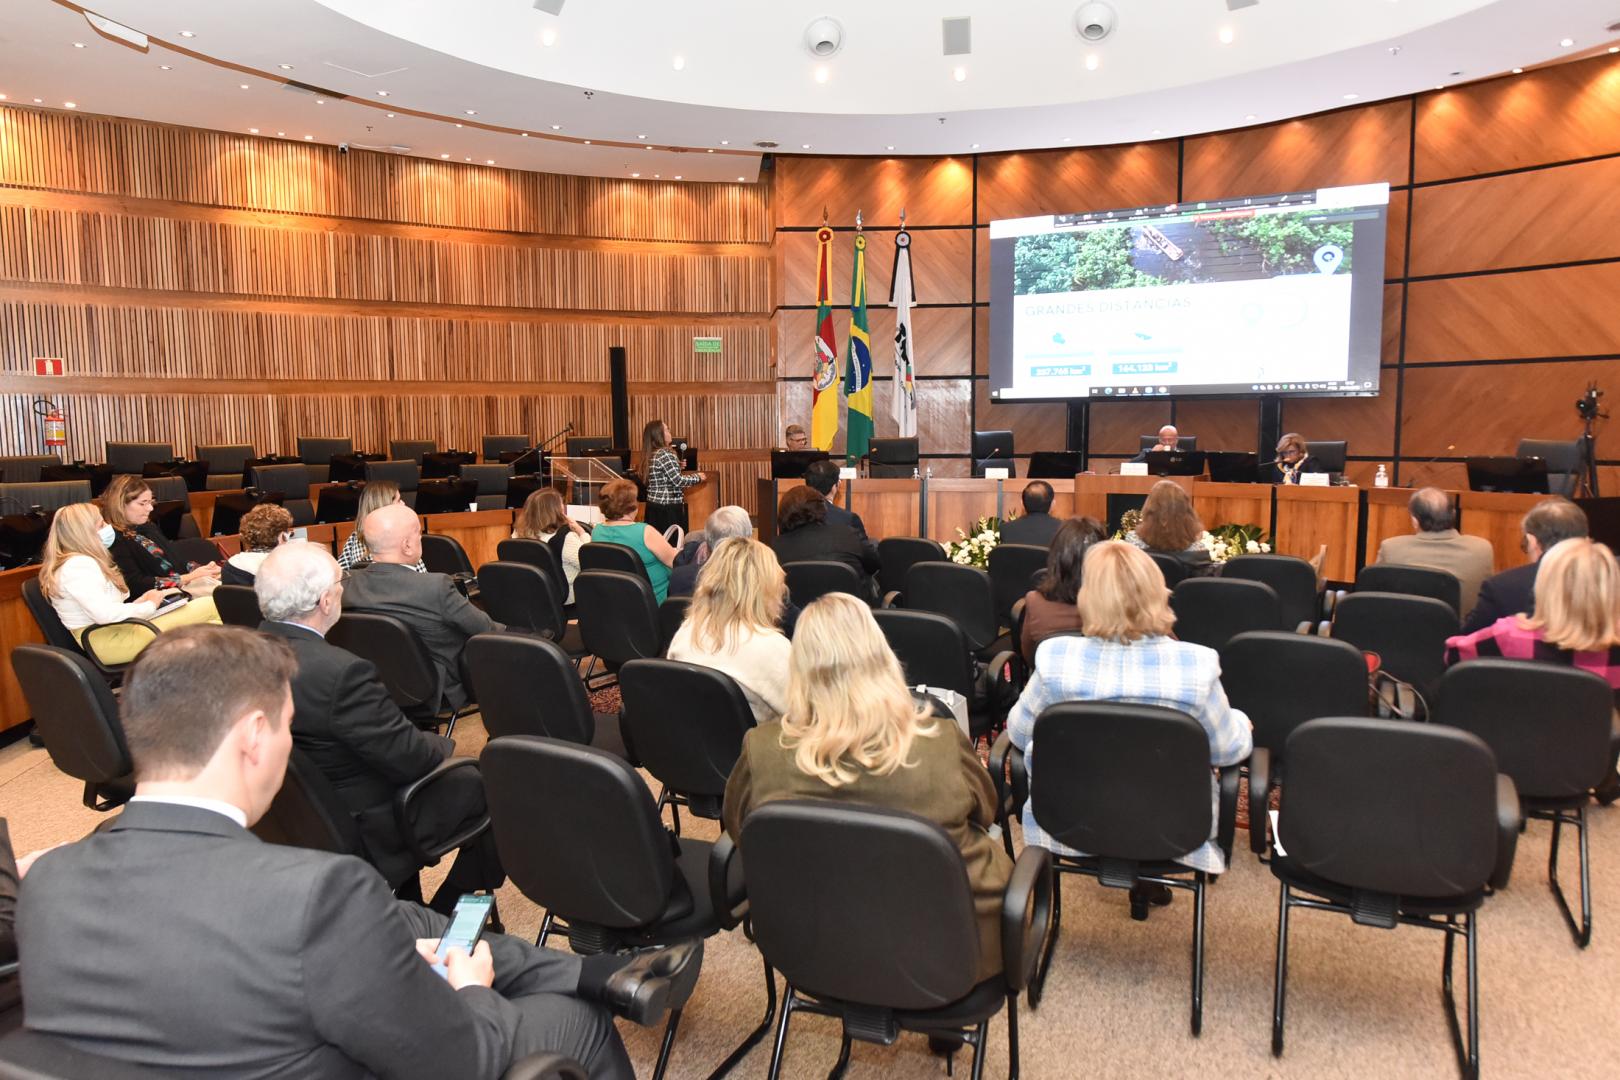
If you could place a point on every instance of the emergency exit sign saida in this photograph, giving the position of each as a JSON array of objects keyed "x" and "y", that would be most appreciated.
[{"x": 706, "y": 345}]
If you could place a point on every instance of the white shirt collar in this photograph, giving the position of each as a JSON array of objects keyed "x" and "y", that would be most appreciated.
[
  {"x": 235, "y": 813},
  {"x": 303, "y": 626}
]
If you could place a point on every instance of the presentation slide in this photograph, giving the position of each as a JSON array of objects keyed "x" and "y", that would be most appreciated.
[{"x": 1274, "y": 294}]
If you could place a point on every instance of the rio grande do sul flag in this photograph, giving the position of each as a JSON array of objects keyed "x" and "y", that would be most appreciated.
[
  {"x": 858, "y": 362},
  {"x": 824, "y": 406}
]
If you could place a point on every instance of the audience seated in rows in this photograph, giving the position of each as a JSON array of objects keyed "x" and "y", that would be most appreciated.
[
  {"x": 852, "y": 732},
  {"x": 1436, "y": 544},
  {"x": 1170, "y": 526},
  {"x": 223, "y": 955},
  {"x": 1512, "y": 592},
  {"x": 86, "y": 588},
  {"x": 348, "y": 726},
  {"x": 823, "y": 477},
  {"x": 733, "y": 624},
  {"x": 263, "y": 528},
  {"x": 617, "y": 501},
  {"x": 141, "y": 550},
  {"x": 1049, "y": 608},
  {"x": 1128, "y": 655},
  {"x": 804, "y": 532},
  {"x": 1036, "y": 525},
  {"x": 544, "y": 517},
  {"x": 722, "y": 524},
  {"x": 377, "y": 494},
  {"x": 429, "y": 604}
]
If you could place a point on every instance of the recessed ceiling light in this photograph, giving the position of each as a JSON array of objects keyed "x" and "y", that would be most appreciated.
[
  {"x": 959, "y": 73},
  {"x": 2, "y": 97},
  {"x": 309, "y": 138},
  {"x": 975, "y": 146},
  {"x": 241, "y": 86},
  {"x": 641, "y": 136},
  {"x": 382, "y": 93},
  {"x": 658, "y": 176},
  {"x": 646, "y": 148},
  {"x": 70, "y": 104},
  {"x": 1567, "y": 42},
  {"x": 525, "y": 134},
  {"x": 678, "y": 178},
  {"x": 281, "y": 134},
  {"x": 1249, "y": 117},
  {"x": 890, "y": 148},
  {"x": 822, "y": 74},
  {"x": 39, "y": 101},
  {"x": 458, "y": 125},
  {"x": 741, "y": 180},
  {"x": 1440, "y": 86},
  {"x": 710, "y": 150},
  {"x": 472, "y": 112},
  {"x": 725, "y": 142},
  {"x": 1156, "y": 131},
  {"x": 556, "y": 127},
  {"x": 1226, "y": 35},
  {"x": 489, "y": 161},
  {"x": 678, "y": 63},
  {"x": 804, "y": 146},
  {"x": 320, "y": 101},
  {"x": 1614, "y": 48},
  {"x": 165, "y": 67},
  {"x": 1092, "y": 61},
  {"x": 1066, "y": 138},
  {"x": 445, "y": 156},
  {"x": 466, "y": 159},
  {"x": 187, "y": 33},
  {"x": 389, "y": 115},
  {"x": 285, "y": 67},
  {"x": 78, "y": 44},
  {"x": 636, "y": 175},
  {"x": 253, "y": 131},
  {"x": 548, "y": 37},
  {"x": 1518, "y": 71},
  {"x": 587, "y": 142},
  {"x": 1351, "y": 97}
]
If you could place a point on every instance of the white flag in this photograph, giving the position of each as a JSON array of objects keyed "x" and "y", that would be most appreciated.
[{"x": 902, "y": 296}]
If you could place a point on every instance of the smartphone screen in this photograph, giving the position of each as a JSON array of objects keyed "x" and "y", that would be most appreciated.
[{"x": 466, "y": 927}]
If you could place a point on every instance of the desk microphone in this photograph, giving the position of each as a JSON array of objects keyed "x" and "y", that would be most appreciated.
[{"x": 1438, "y": 456}]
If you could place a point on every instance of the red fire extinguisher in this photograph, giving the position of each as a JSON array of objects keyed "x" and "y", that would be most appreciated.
[{"x": 52, "y": 421}]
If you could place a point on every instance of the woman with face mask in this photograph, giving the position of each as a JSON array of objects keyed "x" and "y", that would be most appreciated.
[
  {"x": 85, "y": 588},
  {"x": 139, "y": 548}
]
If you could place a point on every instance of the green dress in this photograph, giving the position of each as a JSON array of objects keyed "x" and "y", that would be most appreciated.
[{"x": 634, "y": 536}]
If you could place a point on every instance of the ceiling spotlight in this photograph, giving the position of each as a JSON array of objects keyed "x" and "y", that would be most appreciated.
[
  {"x": 489, "y": 161},
  {"x": 253, "y": 131},
  {"x": 1567, "y": 42},
  {"x": 1614, "y": 48},
  {"x": 889, "y": 147},
  {"x": 458, "y": 125},
  {"x": 1351, "y": 97},
  {"x": 1156, "y": 131},
  {"x": 1226, "y": 35},
  {"x": 641, "y": 136},
  {"x": 548, "y": 37},
  {"x": 1094, "y": 21},
  {"x": 525, "y": 134},
  {"x": 678, "y": 178},
  {"x": 646, "y": 148},
  {"x": 1251, "y": 117},
  {"x": 281, "y": 134},
  {"x": 1440, "y": 86},
  {"x": 804, "y": 146},
  {"x": 975, "y": 146},
  {"x": 472, "y": 112},
  {"x": 70, "y": 104},
  {"x": 78, "y": 44},
  {"x": 741, "y": 180},
  {"x": 710, "y": 150},
  {"x": 556, "y": 127},
  {"x": 658, "y": 176},
  {"x": 445, "y": 156},
  {"x": 285, "y": 67},
  {"x": 39, "y": 101},
  {"x": 678, "y": 63},
  {"x": 382, "y": 93},
  {"x": 823, "y": 37},
  {"x": 241, "y": 86},
  {"x": 1092, "y": 61},
  {"x": 822, "y": 74},
  {"x": 2, "y": 97},
  {"x": 1518, "y": 71},
  {"x": 165, "y": 67},
  {"x": 725, "y": 142},
  {"x": 636, "y": 175},
  {"x": 1066, "y": 138},
  {"x": 959, "y": 74},
  {"x": 187, "y": 34},
  {"x": 309, "y": 138},
  {"x": 389, "y": 115},
  {"x": 466, "y": 159},
  {"x": 587, "y": 142},
  {"x": 320, "y": 101}
]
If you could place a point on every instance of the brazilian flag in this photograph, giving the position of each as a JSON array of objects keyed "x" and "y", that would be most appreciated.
[{"x": 858, "y": 362}]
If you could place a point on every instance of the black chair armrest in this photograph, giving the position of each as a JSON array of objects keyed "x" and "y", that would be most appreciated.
[
  {"x": 1226, "y": 823},
  {"x": 545, "y": 1066},
  {"x": 1002, "y": 684},
  {"x": 90, "y": 632},
  {"x": 1508, "y": 819},
  {"x": 1000, "y": 750},
  {"x": 1259, "y": 798},
  {"x": 405, "y": 800},
  {"x": 1026, "y": 915},
  {"x": 727, "y": 890}
]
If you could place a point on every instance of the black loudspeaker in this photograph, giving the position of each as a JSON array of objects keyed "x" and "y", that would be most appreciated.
[{"x": 617, "y": 367}]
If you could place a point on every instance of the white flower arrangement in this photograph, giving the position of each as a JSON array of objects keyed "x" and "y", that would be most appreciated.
[
  {"x": 1229, "y": 541},
  {"x": 973, "y": 549}
]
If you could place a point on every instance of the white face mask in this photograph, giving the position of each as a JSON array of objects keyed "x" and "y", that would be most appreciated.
[{"x": 107, "y": 535}]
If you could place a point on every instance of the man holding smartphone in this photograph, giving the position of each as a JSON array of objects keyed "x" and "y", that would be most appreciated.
[{"x": 226, "y": 955}]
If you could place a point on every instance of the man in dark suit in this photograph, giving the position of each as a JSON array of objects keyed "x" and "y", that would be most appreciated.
[
  {"x": 1037, "y": 526},
  {"x": 348, "y": 726},
  {"x": 805, "y": 534},
  {"x": 429, "y": 603},
  {"x": 223, "y": 955},
  {"x": 823, "y": 477},
  {"x": 1512, "y": 592}
]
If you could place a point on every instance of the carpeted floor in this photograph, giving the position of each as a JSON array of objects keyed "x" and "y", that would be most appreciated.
[{"x": 1362, "y": 1003}]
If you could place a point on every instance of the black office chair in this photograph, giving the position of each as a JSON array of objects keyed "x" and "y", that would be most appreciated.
[
  {"x": 1014, "y": 569},
  {"x": 892, "y": 458},
  {"x": 521, "y": 597},
  {"x": 618, "y": 618},
  {"x": 1280, "y": 680},
  {"x": 61, "y": 637},
  {"x": 1412, "y": 581},
  {"x": 933, "y": 651},
  {"x": 1291, "y": 578},
  {"x": 317, "y": 453},
  {"x": 687, "y": 724},
  {"x": 1211, "y": 610},
  {"x": 227, "y": 464},
  {"x": 1331, "y": 455},
  {"x": 811, "y": 579},
  {"x": 444, "y": 555},
  {"x": 897, "y": 554},
  {"x": 962, "y": 594},
  {"x": 1131, "y": 784},
  {"x": 411, "y": 449},
  {"x": 76, "y": 716},
  {"x": 993, "y": 450},
  {"x": 1421, "y": 847},
  {"x": 535, "y": 553},
  {"x": 603, "y": 555},
  {"x": 447, "y": 495},
  {"x": 1552, "y": 732},
  {"x": 671, "y": 614},
  {"x": 528, "y": 686},
  {"x": 292, "y": 482},
  {"x": 131, "y": 457},
  {"x": 490, "y": 484},
  {"x": 1407, "y": 633},
  {"x": 25, "y": 468},
  {"x": 231, "y": 507},
  {"x": 1183, "y": 442},
  {"x": 493, "y": 446},
  {"x": 579, "y": 834},
  {"x": 1173, "y": 569},
  {"x": 1563, "y": 458},
  {"x": 833, "y": 898},
  {"x": 403, "y": 664},
  {"x": 238, "y": 605}
]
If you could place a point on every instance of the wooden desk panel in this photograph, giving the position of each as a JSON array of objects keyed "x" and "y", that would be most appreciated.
[
  {"x": 701, "y": 501},
  {"x": 1062, "y": 499},
  {"x": 1234, "y": 504},
  {"x": 17, "y": 627},
  {"x": 956, "y": 503},
  {"x": 1308, "y": 517},
  {"x": 1387, "y": 516},
  {"x": 479, "y": 531},
  {"x": 886, "y": 507},
  {"x": 1091, "y": 491},
  {"x": 1496, "y": 515},
  {"x": 202, "y": 506}
]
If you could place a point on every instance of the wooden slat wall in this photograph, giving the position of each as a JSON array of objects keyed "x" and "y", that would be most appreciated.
[
  {"x": 205, "y": 287},
  {"x": 1496, "y": 315}
]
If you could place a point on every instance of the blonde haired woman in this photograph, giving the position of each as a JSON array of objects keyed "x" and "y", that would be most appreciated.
[
  {"x": 544, "y": 517},
  {"x": 85, "y": 588},
  {"x": 852, "y": 732},
  {"x": 377, "y": 494},
  {"x": 1128, "y": 655},
  {"x": 732, "y": 625}
]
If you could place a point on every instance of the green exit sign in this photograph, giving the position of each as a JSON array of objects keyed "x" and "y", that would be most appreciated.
[{"x": 706, "y": 345}]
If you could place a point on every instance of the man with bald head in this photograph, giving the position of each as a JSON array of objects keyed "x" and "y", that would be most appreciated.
[
  {"x": 347, "y": 725},
  {"x": 428, "y": 603},
  {"x": 1169, "y": 437},
  {"x": 1436, "y": 544}
]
